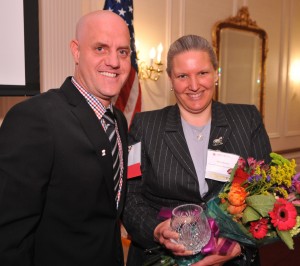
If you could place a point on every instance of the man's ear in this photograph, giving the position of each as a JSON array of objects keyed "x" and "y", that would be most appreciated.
[{"x": 74, "y": 46}]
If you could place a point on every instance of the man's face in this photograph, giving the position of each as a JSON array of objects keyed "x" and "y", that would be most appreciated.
[{"x": 102, "y": 57}]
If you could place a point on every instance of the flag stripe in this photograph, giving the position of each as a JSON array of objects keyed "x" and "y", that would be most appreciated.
[
  {"x": 125, "y": 92},
  {"x": 133, "y": 103}
]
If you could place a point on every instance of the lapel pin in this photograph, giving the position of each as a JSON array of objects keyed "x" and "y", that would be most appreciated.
[
  {"x": 218, "y": 142},
  {"x": 103, "y": 152}
]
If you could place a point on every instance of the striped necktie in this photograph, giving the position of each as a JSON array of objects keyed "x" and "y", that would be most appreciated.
[{"x": 112, "y": 135}]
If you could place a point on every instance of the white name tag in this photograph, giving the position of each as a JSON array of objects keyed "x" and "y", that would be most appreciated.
[
  {"x": 218, "y": 164},
  {"x": 134, "y": 161}
]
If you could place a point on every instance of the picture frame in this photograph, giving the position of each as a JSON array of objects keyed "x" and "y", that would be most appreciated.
[{"x": 31, "y": 54}]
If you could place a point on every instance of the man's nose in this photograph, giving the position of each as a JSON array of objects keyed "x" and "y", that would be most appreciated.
[{"x": 112, "y": 59}]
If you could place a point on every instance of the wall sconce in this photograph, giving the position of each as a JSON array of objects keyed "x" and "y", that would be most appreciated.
[{"x": 154, "y": 69}]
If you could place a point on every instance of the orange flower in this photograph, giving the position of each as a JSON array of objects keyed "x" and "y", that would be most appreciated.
[
  {"x": 237, "y": 195},
  {"x": 236, "y": 209}
]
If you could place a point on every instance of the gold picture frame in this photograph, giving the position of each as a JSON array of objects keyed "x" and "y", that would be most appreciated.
[{"x": 241, "y": 48}]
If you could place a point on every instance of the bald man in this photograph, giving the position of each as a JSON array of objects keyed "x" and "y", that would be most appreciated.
[{"x": 60, "y": 195}]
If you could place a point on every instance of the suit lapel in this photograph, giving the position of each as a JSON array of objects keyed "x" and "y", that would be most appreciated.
[
  {"x": 220, "y": 128},
  {"x": 219, "y": 135},
  {"x": 174, "y": 137},
  {"x": 175, "y": 140},
  {"x": 94, "y": 131}
]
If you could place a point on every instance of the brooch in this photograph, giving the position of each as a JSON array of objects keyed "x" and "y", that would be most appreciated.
[{"x": 218, "y": 142}]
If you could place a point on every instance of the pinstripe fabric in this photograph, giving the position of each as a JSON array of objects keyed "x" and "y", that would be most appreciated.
[{"x": 169, "y": 176}]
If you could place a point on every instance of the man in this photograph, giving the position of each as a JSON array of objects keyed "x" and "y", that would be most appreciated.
[{"x": 60, "y": 193}]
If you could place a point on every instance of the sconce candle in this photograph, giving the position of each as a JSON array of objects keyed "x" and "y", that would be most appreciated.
[
  {"x": 153, "y": 70},
  {"x": 159, "y": 51},
  {"x": 295, "y": 71},
  {"x": 137, "y": 46}
]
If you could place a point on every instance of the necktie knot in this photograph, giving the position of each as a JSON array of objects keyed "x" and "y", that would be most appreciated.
[{"x": 109, "y": 117}]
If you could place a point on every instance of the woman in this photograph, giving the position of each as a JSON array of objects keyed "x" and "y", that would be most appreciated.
[{"x": 174, "y": 146}]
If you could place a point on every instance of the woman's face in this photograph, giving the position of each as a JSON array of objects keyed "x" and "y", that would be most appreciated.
[{"x": 193, "y": 79}]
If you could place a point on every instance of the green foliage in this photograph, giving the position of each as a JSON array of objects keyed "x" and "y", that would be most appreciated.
[
  {"x": 250, "y": 215},
  {"x": 261, "y": 203},
  {"x": 278, "y": 159},
  {"x": 286, "y": 238}
]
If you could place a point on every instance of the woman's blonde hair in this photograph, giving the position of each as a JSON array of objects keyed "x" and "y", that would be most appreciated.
[{"x": 187, "y": 43}]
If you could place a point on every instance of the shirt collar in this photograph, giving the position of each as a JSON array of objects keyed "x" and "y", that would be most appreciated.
[{"x": 93, "y": 102}]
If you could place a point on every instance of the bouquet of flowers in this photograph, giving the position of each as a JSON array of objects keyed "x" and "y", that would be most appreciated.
[{"x": 261, "y": 203}]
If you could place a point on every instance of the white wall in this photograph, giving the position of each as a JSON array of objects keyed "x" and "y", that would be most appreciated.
[{"x": 164, "y": 21}]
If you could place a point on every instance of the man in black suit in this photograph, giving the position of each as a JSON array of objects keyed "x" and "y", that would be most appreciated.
[
  {"x": 60, "y": 195},
  {"x": 174, "y": 147}
]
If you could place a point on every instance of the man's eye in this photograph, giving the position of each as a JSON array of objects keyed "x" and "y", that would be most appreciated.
[
  {"x": 124, "y": 52},
  {"x": 181, "y": 76},
  {"x": 100, "y": 49},
  {"x": 202, "y": 73}
]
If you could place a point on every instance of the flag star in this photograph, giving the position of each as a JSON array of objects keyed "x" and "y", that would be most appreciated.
[
  {"x": 122, "y": 12},
  {"x": 130, "y": 9}
]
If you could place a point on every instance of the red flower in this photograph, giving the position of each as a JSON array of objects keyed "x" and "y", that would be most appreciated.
[
  {"x": 259, "y": 228},
  {"x": 283, "y": 215},
  {"x": 240, "y": 176},
  {"x": 241, "y": 162}
]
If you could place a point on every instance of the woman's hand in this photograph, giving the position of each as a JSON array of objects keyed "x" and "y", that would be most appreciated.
[
  {"x": 166, "y": 237},
  {"x": 218, "y": 260}
]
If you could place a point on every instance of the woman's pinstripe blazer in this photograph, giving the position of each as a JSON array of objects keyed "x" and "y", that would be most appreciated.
[{"x": 168, "y": 173}]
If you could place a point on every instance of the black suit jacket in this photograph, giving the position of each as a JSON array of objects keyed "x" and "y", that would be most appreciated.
[
  {"x": 57, "y": 202},
  {"x": 168, "y": 173}
]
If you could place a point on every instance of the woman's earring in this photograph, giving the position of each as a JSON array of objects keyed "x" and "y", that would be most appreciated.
[{"x": 171, "y": 89}]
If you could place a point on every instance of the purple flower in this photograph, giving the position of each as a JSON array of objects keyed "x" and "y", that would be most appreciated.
[
  {"x": 254, "y": 178},
  {"x": 296, "y": 183}
]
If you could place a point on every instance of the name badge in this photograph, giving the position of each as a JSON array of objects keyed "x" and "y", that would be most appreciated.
[
  {"x": 134, "y": 160},
  {"x": 218, "y": 164}
]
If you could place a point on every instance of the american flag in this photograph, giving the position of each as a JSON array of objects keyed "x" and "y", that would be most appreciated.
[{"x": 129, "y": 99}]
